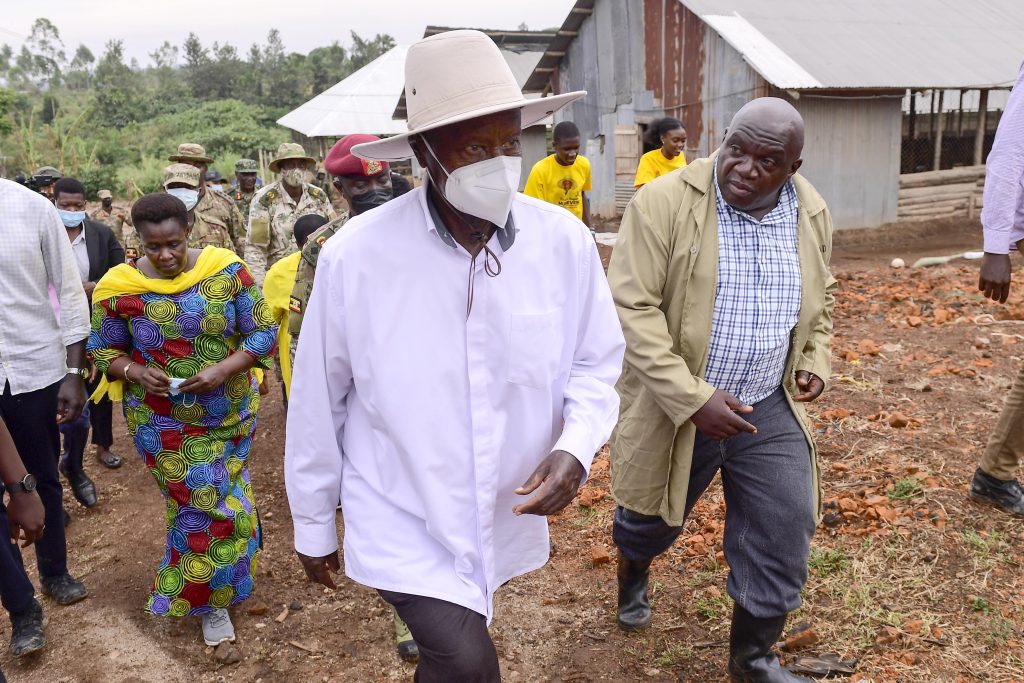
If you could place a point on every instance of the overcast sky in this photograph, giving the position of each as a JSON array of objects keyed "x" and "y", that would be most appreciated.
[{"x": 143, "y": 25}]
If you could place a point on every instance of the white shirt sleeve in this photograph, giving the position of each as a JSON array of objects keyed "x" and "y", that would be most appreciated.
[
  {"x": 317, "y": 411},
  {"x": 1004, "y": 174},
  {"x": 62, "y": 272},
  {"x": 591, "y": 406}
]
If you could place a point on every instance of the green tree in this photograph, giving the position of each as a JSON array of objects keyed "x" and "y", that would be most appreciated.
[
  {"x": 46, "y": 51},
  {"x": 118, "y": 100},
  {"x": 364, "y": 51},
  {"x": 327, "y": 66},
  {"x": 79, "y": 73}
]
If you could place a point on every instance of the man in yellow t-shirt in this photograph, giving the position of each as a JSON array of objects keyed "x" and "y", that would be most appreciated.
[
  {"x": 564, "y": 177},
  {"x": 277, "y": 290}
]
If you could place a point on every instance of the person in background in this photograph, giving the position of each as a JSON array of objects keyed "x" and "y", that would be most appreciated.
[
  {"x": 277, "y": 288},
  {"x": 669, "y": 136},
  {"x": 186, "y": 330},
  {"x": 214, "y": 209},
  {"x": 716, "y": 375},
  {"x": 245, "y": 179},
  {"x": 21, "y": 519},
  {"x": 45, "y": 177},
  {"x": 276, "y": 207},
  {"x": 563, "y": 178},
  {"x": 1002, "y": 217},
  {"x": 114, "y": 218},
  {"x": 96, "y": 250},
  {"x": 215, "y": 181},
  {"x": 39, "y": 351},
  {"x": 461, "y": 411}
]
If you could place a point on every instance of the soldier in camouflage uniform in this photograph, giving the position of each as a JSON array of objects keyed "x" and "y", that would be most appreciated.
[
  {"x": 202, "y": 233},
  {"x": 276, "y": 207},
  {"x": 45, "y": 177},
  {"x": 364, "y": 185},
  {"x": 115, "y": 218},
  {"x": 245, "y": 174},
  {"x": 215, "y": 210}
]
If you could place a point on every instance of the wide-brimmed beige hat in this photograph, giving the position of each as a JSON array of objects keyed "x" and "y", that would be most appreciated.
[
  {"x": 190, "y": 151},
  {"x": 104, "y": 194},
  {"x": 456, "y": 76},
  {"x": 290, "y": 150}
]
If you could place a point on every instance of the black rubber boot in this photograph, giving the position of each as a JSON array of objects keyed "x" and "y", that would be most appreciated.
[
  {"x": 634, "y": 608},
  {"x": 1005, "y": 495},
  {"x": 751, "y": 659},
  {"x": 27, "y": 631}
]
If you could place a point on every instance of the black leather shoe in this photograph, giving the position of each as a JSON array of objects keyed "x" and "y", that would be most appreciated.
[
  {"x": 634, "y": 607},
  {"x": 1005, "y": 495},
  {"x": 81, "y": 485},
  {"x": 64, "y": 589},
  {"x": 27, "y": 631},
  {"x": 751, "y": 659}
]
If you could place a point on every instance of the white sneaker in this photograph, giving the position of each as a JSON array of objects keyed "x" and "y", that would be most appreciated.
[{"x": 217, "y": 627}]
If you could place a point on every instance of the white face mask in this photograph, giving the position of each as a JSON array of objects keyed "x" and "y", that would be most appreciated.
[
  {"x": 293, "y": 177},
  {"x": 188, "y": 197},
  {"x": 484, "y": 189}
]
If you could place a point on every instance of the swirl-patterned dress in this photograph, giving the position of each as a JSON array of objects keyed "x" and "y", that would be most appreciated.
[{"x": 196, "y": 446}]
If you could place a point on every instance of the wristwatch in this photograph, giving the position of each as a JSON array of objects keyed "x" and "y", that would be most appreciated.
[
  {"x": 81, "y": 372},
  {"x": 27, "y": 484}
]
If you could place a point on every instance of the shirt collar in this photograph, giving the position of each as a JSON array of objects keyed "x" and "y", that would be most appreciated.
[
  {"x": 506, "y": 233},
  {"x": 81, "y": 236},
  {"x": 786, "y": 206}
]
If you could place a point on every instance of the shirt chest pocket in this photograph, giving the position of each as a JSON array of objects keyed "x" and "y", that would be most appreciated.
[{"x": 535, "y": 349}]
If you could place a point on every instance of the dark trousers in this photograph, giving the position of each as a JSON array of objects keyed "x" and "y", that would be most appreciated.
[
  {"x": 76, "y": 438},
  {"x": 31, "y": 419},
  {"x": 453, "y": 640},
  {"x": 769, "y": 517},
  {"x": 101, "y": 417}
]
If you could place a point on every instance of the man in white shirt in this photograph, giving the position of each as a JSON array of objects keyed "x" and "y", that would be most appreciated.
[
  {"x": 37, "y": 352},
  {"x": 456, "y": 369}
]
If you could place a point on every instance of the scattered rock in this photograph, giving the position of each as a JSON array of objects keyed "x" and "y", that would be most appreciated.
[
  {"x": 652, "y": 672},
  {"x": 282, "y": 616},
  {"x": 832, "y": 519},
  {"x": 599, "y": 555},
  {"x": 590, "y": 496},
  {"x": 868, "y": 347},
  {"x": 898, "y": 421},
  {"x": 898, "y": 263},
  {"x": 226, "y": 654},
  {"x": 295, "y": 606},
  {"x": 257, "y": 609},
  {"x": 801, "y": 639},
  {"x": 923, "y": 386}
]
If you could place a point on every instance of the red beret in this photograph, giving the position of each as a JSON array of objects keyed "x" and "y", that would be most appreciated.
[{"x": 341, "y": 161}]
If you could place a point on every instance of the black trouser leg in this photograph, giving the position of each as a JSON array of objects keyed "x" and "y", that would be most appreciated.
[
  {"x": 101, "y": 416},
  {"x": 16, "y": 591},
  {"x": 76, "y": 438},
  {"x": 31, "y": 419},
  {"x": 453, "y": 640}
]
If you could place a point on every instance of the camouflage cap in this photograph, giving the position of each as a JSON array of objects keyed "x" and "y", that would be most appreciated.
[
  {"x": 190, "y": 151},
  {"x": 247, "y": 166},
  {"x": 181, "y": 173},
  {"x": 104, "y": 194},
  {"x": 48, "y": 172},
  {"x": 290, "y": 150}
]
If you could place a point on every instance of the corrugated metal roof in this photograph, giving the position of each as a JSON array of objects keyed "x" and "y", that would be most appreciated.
[
  {"x": 362, "y": 103},
  {"x": 796, "y": 44}
]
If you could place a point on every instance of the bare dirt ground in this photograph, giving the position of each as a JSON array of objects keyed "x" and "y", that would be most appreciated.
[{"x": 908, "y": 577}]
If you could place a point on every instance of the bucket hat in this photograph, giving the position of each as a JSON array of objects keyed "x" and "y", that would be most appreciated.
[
  {"x": 190, "y": 151},
  {"x": 289, "y": 150}
]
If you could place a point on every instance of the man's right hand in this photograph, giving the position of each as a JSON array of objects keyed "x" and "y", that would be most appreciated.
[
  {"x": 719, "y": 418},
  {"x": 318, "y": 569},
  {"x": 994, "y": 280},
  {"x": 25, "y": 517}
]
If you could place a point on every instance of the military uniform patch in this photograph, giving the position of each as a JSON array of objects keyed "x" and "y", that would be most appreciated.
[
  {"x": 131, "y": 253},
  {"x": 372, "y": 167},
  {"x": 294, "y": 305}
]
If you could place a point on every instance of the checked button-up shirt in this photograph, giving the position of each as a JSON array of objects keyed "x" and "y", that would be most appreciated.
[{"x": 757, "y": 298}]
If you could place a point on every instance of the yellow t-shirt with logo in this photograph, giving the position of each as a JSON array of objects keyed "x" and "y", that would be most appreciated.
[
  {"x": 277, "y": 289},
  {"x": 561, "y": 185},
  {"x": 654, "y": 164}
]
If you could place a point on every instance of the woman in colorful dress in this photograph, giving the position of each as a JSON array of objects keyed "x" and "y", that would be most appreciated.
[{"x": 180, "y": 337}]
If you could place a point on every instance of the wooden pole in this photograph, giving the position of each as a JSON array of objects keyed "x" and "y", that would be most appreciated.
[
  {"x": 937, "y": 157},
  {"x": 960, "y": 116},
  {"x": 912, "y": 132},
  {"x": 931, "y": 120},
  {"x": 979, "y": 133}
]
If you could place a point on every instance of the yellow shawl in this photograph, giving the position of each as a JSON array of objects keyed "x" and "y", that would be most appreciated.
[{"x": 124, "y": 280}]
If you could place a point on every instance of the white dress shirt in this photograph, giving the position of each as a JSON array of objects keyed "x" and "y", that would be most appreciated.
[
  {"x": 81, "y": 253},
  {"x": 425, "y": 421},
  {"x": 34, "y": 254},
  {"x": 1002, "y": 213}
]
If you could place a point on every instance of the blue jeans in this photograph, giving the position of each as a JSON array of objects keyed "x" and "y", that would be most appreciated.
[{"x": 769, "y": 509}]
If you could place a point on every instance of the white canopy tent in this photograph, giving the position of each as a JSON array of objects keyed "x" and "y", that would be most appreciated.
[{"x": 362, "y": 103}]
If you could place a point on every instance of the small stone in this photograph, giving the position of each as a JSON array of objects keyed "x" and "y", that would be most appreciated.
[
  {"x": 898, "y": 421},
  {"x": 898, "y": 263},
  {"x": 651, "y": 673},
  {"x": 295, "y": 606},
  {"x": 800, "y": 640},
  {"x": 226, "y": 654},
  {"x": 257, "y": 609},
  {"x": 268, "y": 515},
  {"x": 599, "y": 555}
]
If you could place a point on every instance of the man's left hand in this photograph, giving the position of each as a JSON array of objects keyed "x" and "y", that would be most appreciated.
[
  {"x": 70, "y": 399},
  {"x": 560, "y": 475},
  {"x": 810, "y": 386}
]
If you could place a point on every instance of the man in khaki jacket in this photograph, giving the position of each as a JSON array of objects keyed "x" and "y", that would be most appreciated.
[{"x": 722, "y": 284}]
